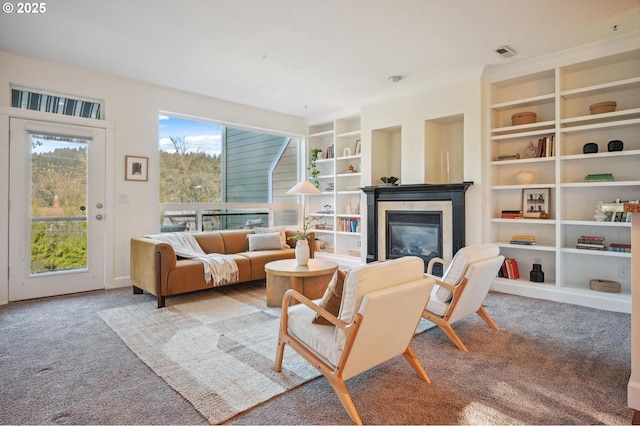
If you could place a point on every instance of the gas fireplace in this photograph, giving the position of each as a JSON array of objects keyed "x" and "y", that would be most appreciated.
[{"x": 415, "y": 220}]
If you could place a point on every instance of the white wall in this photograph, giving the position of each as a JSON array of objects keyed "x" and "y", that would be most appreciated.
[
  {"x": 133, "y": 109},
  {"x": 410, "y": 114}
]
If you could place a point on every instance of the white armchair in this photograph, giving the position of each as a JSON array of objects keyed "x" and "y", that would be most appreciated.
[
  {"x": 379, "y": 312},
  {"x": 463, "y": 287}
]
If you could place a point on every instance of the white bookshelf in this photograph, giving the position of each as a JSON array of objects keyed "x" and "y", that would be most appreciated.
[
  {"x": 340, "y": 180},
  {"x": 561, "y": 98}
]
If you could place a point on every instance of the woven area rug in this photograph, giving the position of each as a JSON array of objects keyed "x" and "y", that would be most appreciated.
[{"x": 216, "y": 348}]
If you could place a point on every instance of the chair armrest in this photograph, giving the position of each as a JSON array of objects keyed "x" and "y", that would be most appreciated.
[
  {"x": 443, "y": 284},
  {"x": 292, "y": 294},
  {"x": 435, "y": 260}
]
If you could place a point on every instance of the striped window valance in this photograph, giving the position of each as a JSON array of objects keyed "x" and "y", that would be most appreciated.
[{"x": 54, "y": 103}]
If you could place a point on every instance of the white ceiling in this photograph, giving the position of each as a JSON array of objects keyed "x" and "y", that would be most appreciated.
[{"x": 306, "y": 57}]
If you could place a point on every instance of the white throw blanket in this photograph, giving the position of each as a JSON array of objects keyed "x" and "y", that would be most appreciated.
[{"x": 220, "y": 268}]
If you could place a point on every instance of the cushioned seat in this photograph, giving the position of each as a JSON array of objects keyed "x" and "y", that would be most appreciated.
[
  {"x": 379, "y": 310},
  {"x": 462, "y": 287}
]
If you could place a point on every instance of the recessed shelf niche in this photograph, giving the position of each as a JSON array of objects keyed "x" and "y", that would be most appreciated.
[
  {"x": 386, "y": 146},
  {"x": 444, "y": 149}
]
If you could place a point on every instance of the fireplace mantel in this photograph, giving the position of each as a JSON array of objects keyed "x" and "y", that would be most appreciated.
[{"x": 453, "y": 192}]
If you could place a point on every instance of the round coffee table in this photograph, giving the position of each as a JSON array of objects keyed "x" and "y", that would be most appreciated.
[{"x": 310, "y": 280}]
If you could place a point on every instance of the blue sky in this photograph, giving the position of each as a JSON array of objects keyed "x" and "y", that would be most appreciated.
[
  {"x": 48, "y": 145},
  {"x": 200, "y": 135}
]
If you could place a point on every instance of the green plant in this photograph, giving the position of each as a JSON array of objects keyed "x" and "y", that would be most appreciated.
[
  {"x": 303, "y": 234},
  {"x": 313, "y": 168}
]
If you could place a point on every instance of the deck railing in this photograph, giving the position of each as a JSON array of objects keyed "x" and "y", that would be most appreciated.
[{"x": 217, "y": 216}]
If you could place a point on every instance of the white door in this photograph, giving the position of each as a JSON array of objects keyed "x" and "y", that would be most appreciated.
[{"x": 56, "y": 210}]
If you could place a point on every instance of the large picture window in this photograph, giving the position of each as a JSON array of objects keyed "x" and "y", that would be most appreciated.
[{"x": 204, "y": 162}]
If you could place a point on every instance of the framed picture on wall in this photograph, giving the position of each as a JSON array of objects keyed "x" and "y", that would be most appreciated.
[
  {"x": 535, "y": 201},
  {"x": 136, "y": 168}
]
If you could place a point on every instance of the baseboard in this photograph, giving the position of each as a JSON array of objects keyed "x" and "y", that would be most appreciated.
[
  {"x": 119, "y": 282},
  {"x": 633, "y": 395}
]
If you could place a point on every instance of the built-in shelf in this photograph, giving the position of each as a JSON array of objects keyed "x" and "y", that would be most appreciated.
[
  {"x": 341, "y": 136},
  {"x": 561, "y": 98}
]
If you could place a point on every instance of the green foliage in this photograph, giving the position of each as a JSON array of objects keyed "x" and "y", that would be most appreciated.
[
  {"x": 304, "y": 233},
  {"x": 189, "y": 177},
  {"x": 62, "y": 172},
  {"x": 313, "y": 168},
  {"x": 58, "y": 245}
]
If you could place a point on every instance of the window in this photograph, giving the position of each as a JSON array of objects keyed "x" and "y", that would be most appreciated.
[
  {"x": 209, "y": 163},
  {"x": 54, "y": 103}
]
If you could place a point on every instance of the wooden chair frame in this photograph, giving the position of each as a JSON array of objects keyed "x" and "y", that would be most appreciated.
[
  {"x": 456, "y": 290},
  {"x": 333, "y": 374}
]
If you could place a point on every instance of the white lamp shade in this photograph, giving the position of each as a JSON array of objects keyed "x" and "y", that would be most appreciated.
[{"x": 305, "y": 188}]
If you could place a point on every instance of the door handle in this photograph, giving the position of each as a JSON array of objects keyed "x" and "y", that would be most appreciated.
[{"x": 99, "y": 217}]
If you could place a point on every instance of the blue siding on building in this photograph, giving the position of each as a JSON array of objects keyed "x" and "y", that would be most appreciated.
[{"x": 249, "y": 156}]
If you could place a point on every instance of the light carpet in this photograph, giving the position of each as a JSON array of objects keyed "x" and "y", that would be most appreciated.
[{"x": 216, "y": 348}]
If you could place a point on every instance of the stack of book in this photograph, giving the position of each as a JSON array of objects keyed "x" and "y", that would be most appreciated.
[
  {"x": 623, "y": 248},
  {"x": 589, "y": 242},
  {"x": 598, "y": 177},
  {"x": 511, "y": 214},
  {"x": 524, "y": 240},
  {"x": 509, "y": 269}
]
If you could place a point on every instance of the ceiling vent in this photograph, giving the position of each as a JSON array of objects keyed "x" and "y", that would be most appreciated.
[{"x": 505, "y": 51}]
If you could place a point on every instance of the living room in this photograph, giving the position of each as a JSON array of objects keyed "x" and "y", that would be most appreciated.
[{"x": 132, "y": 105}]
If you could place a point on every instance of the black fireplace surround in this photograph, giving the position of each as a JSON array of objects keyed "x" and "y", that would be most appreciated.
[{"x": 454, "y": 192}]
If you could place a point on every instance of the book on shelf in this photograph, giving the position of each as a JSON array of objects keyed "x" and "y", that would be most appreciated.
[
  {"x": 510, "y": 269},
  {"x": 618, "y": 217},
  {"x": 541, "y": 148},
  {"x": 591, "y": 247},
  {"x": 525, "y": 240},
  {"x": 580, "y": 243},
  {"x": 524, "y": 237},
  {"x": 511, "y": 214},
  {"x": 590, "y": 238},
  {"x": 514, "y": 156},
  {"x": 523, "y": 243},
  {"x": 619, "y": 247},
  {"x": 349, "y": 225},
  {"x": 545, "y": 147},
  {"x": 599, "y": 177},
  {"x": 549, "y": 146}
]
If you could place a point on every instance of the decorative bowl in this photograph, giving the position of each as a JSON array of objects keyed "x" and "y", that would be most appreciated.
[
  {"x": 601, "y": 107},
  {"x": 615, "y": 145},
  {"x": 590, "y": 148},
  {"x": 524, "y": 177},
  {"x": 523, "y": 118}
]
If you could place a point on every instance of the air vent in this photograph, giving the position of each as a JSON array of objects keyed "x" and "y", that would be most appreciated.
[{"x": 505, "y": 51}]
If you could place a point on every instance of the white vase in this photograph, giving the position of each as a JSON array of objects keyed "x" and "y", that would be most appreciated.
[
  {"x": 302, "y": 252},
  {"x": 599, "y": 215},
  {"x": 524, "y": 177}
]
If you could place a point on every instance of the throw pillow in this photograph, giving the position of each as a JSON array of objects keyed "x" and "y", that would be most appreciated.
[
  {"x": 332, "y": 297},
  {"x": 264, "y": 241},
  {"x": 273, "y": 229}
]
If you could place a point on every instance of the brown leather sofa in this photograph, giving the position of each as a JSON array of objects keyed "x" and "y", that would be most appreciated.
[{"x": 156, "y": 269}]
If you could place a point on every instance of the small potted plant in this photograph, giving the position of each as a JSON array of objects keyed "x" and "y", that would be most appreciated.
[{"x": 302, "y": 237}]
